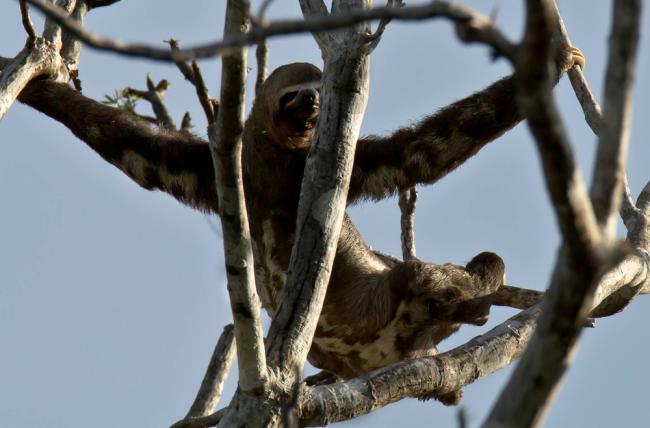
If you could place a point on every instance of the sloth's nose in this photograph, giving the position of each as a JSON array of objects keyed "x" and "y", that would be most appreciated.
[{"x": 308, "y": 95}]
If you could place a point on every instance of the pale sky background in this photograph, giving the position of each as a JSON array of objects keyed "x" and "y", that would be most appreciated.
[{"x": 112, "y": 297}]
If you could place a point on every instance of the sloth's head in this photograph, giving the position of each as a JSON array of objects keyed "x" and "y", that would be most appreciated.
[
  {"x": 288, "y": 104},
  {"x": 469, "y": 303}
]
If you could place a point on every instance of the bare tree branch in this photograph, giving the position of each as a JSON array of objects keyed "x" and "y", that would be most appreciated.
[
  {"x": 470, "y": 27},
  {"x": 407, "y": 200},
  {"x": 52, "y": 31},
  {"x": 71, "y": 45},
  {"x": 154, "y": 95},
  {"x": 202, "y": 93},
  {"x": 324, "y": 193},
  {"x": 38, "y": 60},
  {"x": 527, "y": 395},
  {"x": 262, "y": 57},
  {"x": 202, "y": 421},
  {"x": 194, "y": 75},
  {"x": 184, "y": 68},
  {"x": 186, "y": 123},
  {"x": 588, "y": 102},
  {"x": 28, "y": 25},
  {"x": 614, "y": 134},
  {"x": 210, "y": 391},
  {"x": 374, "y": 38},
  {"x": 313, "y": 9},
  {"x": 225, "y": 145},
  {"x": 629, "y": 211}
]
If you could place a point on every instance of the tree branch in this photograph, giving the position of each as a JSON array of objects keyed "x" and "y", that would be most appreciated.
[
  {"x": 580, "y": 261},
  {"x": 225, "y": 145},
  {"x": 38, "y": 60},
  {"x": 314, "y": 9},
  {"x": 614, "y": 134},
  {"x": 374, "y": 38},
  {"x": 323, "y": 194},
  {"x": 71, "y": 45},
  {"x": 28, "y": 25},
  {"x": 587, "y": 101},
  {"x": 215, "y": 376},
  {"x": 262, "y": 57},
  {"x": 629, "y": 211},
  {"x": 154, "y": 95},
  {"x": 52, "y": 31},
  {"x": 470, "y": 27},
  {"x": 407, "y": 200},
  {"x": 202, "y": 421}
]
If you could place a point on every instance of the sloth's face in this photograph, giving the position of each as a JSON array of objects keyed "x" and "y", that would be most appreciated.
[
  {"x": 299, "y": 106},
  {"x": 288, "y": 104}
]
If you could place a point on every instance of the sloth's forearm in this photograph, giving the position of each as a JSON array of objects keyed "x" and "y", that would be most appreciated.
[
  {"x": 174, "y": 162},
  {"x": 435, "y": 146}
]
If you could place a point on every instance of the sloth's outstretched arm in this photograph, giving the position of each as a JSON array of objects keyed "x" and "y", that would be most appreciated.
[
  {"x": 438, "y": 144},
  {"x": 174, "y": 162},
  {"x": 435, "y": 146}
]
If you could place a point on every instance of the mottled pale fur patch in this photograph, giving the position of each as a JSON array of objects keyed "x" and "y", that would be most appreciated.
[
  {"x": 373, "y": 355},
  {"x": 135, "y": 165},
  {"x": 273, "y": 274}
]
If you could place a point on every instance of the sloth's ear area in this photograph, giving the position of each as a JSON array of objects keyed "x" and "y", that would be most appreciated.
[{"x": 489, "y": 269}]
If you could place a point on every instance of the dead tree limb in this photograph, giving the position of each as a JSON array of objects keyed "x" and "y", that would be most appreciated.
[
  {"x": 154, "y": 95},
  {"x": 215, "y": 376},
  {"x": 614, "y": 135},
  {"x": 407, "y": 201},
  {"x": 470, "y": 26},
  {"x": 225, "y": 146}
]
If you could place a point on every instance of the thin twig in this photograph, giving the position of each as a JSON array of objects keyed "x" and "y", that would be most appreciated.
[
  {"x": 629, "y": 212},
  {"x": 209, "y": 393},
  {"x": 374, "y": 38},
  {"x": 28, "y": 25},
  {"x": 202, "y": 421},
  {"x": 193, "y": 75},
  {"x": 262, "y": 57},
  {"x": 186, "y": 123},
  {"x": 590, "y": 107},
  {"x": 470, "y": 26},
  {"x": 154, "y": 95},
  {"x": 202, "y": 92},
  {"x": 184, "y": 68},
  {"x": 263, "y": 8},
  {"x": 407, "y": 201}
]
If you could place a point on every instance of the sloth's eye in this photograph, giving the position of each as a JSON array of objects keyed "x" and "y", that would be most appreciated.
[{"x": 286, "y": 98}]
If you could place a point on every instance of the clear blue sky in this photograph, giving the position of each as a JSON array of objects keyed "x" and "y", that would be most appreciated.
[{"x": 112, "y": 297}]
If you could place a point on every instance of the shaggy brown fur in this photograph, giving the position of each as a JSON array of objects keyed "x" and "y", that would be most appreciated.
[{"x": 376, "y": 311}]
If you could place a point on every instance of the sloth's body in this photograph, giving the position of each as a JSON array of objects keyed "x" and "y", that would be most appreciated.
[{"x": 377, "y": 311}]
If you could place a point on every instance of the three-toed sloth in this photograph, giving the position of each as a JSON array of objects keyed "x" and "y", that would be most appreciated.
[{"x": 377, "y": 311}]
